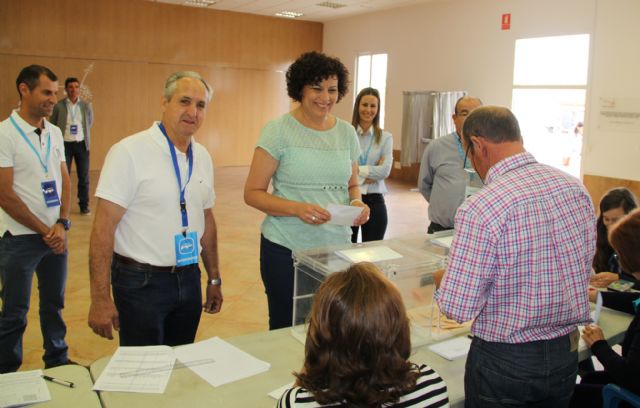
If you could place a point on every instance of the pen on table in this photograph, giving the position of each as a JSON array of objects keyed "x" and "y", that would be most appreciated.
[{"x": 58, "y": 381}]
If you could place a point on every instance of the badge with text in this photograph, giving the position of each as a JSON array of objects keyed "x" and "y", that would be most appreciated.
[
  {"x": 50, "y": 193},
  {"x": 186, "y": 248},
  {"x": 73, "y": 129}
]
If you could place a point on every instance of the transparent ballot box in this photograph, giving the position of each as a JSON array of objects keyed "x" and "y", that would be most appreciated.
[{"x": 407, "y": 262}]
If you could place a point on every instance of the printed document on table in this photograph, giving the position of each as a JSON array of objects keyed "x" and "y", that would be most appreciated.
[
  {"x": 218, "y": 362},
  {"x": 368, "y": 254},
  {"x": 22, "y": 388},
  {"x": 452, "y": 349},
  {"x": 343, "y": 214},
  {"x": 138, "y": 369}
]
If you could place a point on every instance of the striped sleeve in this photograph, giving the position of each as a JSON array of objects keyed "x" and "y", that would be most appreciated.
[{"x": 430, "y": 391}]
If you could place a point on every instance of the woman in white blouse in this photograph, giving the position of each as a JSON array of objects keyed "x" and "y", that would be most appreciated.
[{"x": 376, "y": 158}]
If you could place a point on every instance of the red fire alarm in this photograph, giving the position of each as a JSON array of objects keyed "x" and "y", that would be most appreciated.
[{"x": 506, "y": 21}]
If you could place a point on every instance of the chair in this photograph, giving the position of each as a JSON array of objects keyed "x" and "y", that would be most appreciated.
[{"x": 613, "y": 395}]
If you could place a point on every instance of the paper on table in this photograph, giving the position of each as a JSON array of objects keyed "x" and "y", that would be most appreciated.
[
  {"x": 343, "y": 214},
  {"x": 23, "y": 387},
  {"x": 277, "y": 393},
  {"x": 443, "y": 241},
  {"x": 228, "y": 363},
  {"x": 369, "y": 254},
  {"x": 452, "y": 349},
  {"x": 138, "y": 369}
]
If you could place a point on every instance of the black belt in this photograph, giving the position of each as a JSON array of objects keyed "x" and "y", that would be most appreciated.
[{"x": 151, "y": 268}]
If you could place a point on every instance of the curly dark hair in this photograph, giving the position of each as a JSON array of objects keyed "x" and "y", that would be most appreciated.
[
  {"x": 612, "y": 199},
  {"x": 358, "y": 343},
  {"x": 314, "y": 67}
]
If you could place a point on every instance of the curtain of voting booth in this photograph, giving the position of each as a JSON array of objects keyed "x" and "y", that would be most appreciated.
[{"x": 426, "y": 115}]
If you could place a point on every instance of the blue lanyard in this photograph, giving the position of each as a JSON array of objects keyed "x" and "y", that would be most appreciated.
[
  {"x": 174, "y": 159},
  {"x": 636, "y": 305},
  {"x": 363, "y": 159},
  {"x": 459, "y": 146},
  {"x": 44, "y": 164}
]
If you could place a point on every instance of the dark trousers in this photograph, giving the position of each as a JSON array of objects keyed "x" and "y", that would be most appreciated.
[
  {"x": 276, "y": 270},
  {"x": 78, "y": 151},
  {"x": 375, "y": 228},
  {"x": 20, "y": 256},
  {"x": 156, "y": 307},
  {"x": 536, "y": 374},
  {"x": 435, "y": 227}
]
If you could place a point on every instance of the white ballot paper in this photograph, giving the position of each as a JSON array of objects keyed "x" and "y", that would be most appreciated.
[
  {"x": 343, "y": 214},
  {"x": 224, "y": 363},
  {"x": 452, "y": 349},
  {"x": 278, "y": 392},
  {"x": 138, "y": 369},
  {"x": 368, "y": 254},
  {"x": 22, "y": 388}
]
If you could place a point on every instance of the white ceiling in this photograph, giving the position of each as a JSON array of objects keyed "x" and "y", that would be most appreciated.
[{"x": 309, "y": 8}]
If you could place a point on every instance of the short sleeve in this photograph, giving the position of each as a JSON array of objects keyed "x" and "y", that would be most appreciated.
[
  {"x": 271, "y": 140},
  {"x": 118, "y": 167},
  {"x": 7, "y": 150}
]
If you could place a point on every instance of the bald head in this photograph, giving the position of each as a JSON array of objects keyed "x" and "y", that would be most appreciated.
[{"x": 464, "y": 106}]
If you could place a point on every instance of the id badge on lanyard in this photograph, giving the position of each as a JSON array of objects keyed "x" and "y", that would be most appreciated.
[
  {"x": 186, "y": 243},
  {"x": 48, "y": 186}
]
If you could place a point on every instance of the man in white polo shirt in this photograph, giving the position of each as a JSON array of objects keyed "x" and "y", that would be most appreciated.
[
  {"x": 153, "y": 220},
  {"x": 34, "y": 201}
]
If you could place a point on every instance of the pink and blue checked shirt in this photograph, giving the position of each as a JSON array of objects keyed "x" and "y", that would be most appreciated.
[{"x": 521, "y": 255}]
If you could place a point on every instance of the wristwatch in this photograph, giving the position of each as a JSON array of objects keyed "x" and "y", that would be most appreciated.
[
  {"x": 214, "y": 282},
  {"x": 65, "y": 223}
]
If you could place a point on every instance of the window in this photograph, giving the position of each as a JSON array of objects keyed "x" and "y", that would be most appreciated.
[
  {"x": 549, "y": 92},
  {"x": 371, "y": 71}
]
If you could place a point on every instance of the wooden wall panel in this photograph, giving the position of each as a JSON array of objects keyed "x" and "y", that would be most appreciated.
[
  {"x": 133, "y": 45},
  {"x": 598, "y": 185}
]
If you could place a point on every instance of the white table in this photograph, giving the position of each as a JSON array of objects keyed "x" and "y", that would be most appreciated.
[
  {"x": 80, "y": 395},
  {"x": 285, "y": 353}
]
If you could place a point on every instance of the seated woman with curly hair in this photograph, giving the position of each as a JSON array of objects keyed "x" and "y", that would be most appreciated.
[{"x": 357, "y": 348}]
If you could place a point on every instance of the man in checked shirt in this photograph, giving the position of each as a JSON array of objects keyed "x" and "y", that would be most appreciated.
[{"x": 519, "y": 265}]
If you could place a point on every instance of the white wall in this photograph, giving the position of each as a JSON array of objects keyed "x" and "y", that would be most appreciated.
[
  {"x": 615, "y": 73},
  {"x": 458, "y": 45}
]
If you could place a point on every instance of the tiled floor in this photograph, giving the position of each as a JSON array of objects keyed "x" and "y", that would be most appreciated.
[{"x": 245, "y": 306}]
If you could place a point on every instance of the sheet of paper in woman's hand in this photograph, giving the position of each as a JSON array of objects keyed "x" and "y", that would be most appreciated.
[{"x": 343, "y": 214}]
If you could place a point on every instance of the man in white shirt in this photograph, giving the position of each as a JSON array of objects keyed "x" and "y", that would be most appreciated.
[
  {"x": 155, "y": 196},
  {"x": 34, "y": 218},
  {"x": 75, "y": 117}
]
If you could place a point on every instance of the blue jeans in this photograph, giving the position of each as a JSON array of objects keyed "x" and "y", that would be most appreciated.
[
  {"x": 20, "y": 256},
  {"x": 156, "y": 307},
  {"x": 535, "y": 374},
  {"x": 276, "y": 270}
]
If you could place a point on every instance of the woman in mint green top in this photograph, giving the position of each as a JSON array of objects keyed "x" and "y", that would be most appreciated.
[{"x": 311, "y": 158}]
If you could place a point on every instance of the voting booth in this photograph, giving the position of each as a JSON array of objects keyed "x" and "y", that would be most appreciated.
[{"x": 407, "y": 262}]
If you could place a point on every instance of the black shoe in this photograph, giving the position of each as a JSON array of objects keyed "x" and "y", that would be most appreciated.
[
  {"x": 69, "y": 362},
  {"x": 85, "y": 211}
]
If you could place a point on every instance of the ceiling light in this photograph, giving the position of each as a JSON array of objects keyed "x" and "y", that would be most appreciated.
[
  {"x": 200, "y": 3},
  {"x": 331, "y": 4},
  {"x": 289, "y": 14}
]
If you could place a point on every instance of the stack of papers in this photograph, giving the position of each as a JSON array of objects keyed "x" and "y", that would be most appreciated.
[
  {"x": 218, "y": 362},
  {"x": 368, "y": 254},
  {"x": 452, "y": 349},
  {"x": 138, "y": 369},
  {"x": 22, "y": 388},
  {"x": 147, "y": 369}
]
